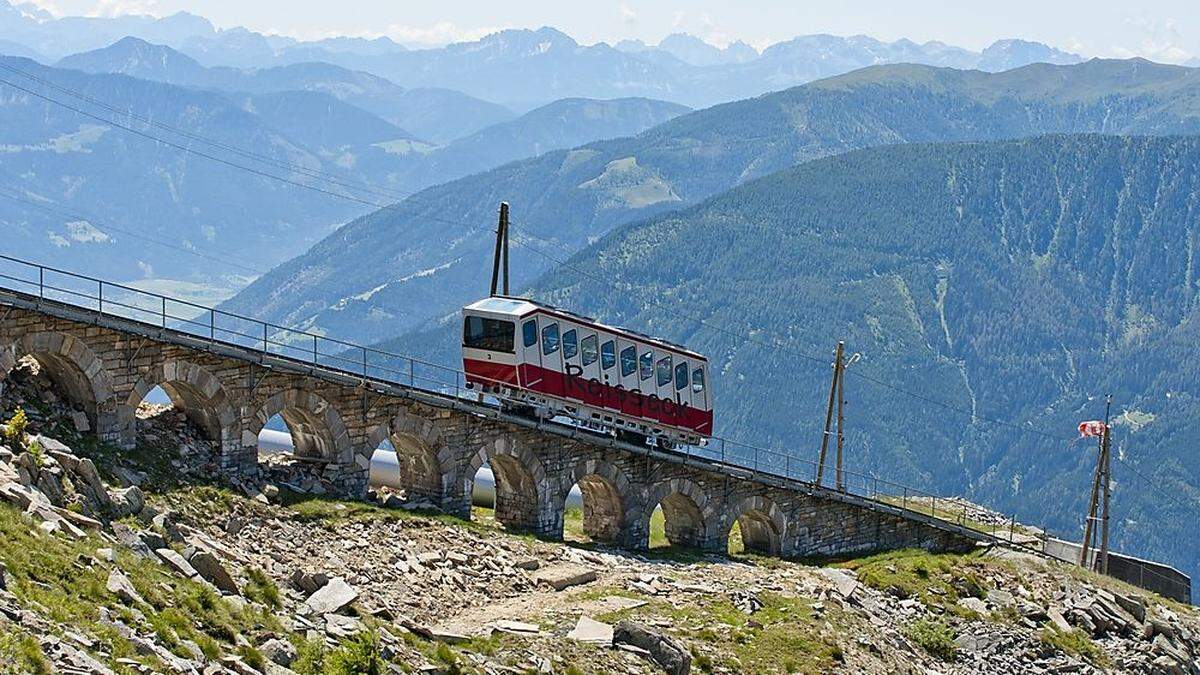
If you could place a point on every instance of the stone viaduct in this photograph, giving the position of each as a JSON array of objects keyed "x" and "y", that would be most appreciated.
[{"x": 107, "y": 364}]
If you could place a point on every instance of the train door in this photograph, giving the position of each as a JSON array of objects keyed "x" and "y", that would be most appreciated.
[
  {"x": 682, "y": 395},
  {"x": 609, "y": 375},
  {"x": 570, "y": 361},
  {"x": 629, "y": 399},
  {"x": 529, "y": 366},
  {"x": 589, "y": 360},
  {"x": 551, "y": 352}
]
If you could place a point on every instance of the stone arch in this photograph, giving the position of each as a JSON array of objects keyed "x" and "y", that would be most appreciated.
[
  {"x": 316, "y": 426},
  {"x": 687, "y": 510},
  {"x": 763, "y": 525},
  {"x": 419, "y": 452},
  {"x": 519, "y": 484},
  {"x": 194, "y": 391},
  {"x": 605, "y": 491},
  {"x": 72, "y": 365}
]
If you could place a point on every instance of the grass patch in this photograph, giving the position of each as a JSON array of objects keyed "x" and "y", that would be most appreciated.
[
  {"x": 934, "y": 636},
  {"x": 1074, "y": 642},
  {"x": 63, "y": 578},
  {"x": 262, "y": 589},
  {"x": 21, "y": 653},
  {"x": 934, "y": 579}
]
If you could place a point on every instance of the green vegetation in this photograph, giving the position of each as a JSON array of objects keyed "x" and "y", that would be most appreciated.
[
  {"x": 782, "y": 637},
  {"x": 14, "y": 430},
  {"x": 21, "y": 652},
  {"x": 937, "y": 580},
  {"x": 934, "y": 636},
  {"x": 44, "y": 570},
  {"x": 1074, "y": 642},
  {"x": 261, "y": 588}
]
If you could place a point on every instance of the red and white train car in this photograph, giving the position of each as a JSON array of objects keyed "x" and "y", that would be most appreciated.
[{"x": 551, "y": 362}]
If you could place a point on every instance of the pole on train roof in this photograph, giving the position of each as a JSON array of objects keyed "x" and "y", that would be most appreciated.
[
  {"x": 504, "y": 226},
  {"x": 501, "y": 249}
]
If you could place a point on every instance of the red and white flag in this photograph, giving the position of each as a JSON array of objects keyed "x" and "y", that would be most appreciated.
[{"x": 1093, "y": 428}]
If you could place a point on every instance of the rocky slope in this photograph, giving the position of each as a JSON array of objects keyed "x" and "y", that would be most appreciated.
[{"x": 177, "y": 573}]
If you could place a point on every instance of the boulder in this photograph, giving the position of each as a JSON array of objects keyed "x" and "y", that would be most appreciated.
[
  {"x": 564, "y": 575},
  {"x": 664, "y": 650},
  {"x": 592, "y": 632},
  {"x": 3, "y": 577},
  {"x": 332, "y": 597},
  {"x": 207, "y": 565},
  {"x": 127, "y": 501},
  {"x": 164, "y": 523},
  {"x": 130, "y": 540},
  {"x": 177, "y": 563},
  {"x": 120, "y": 586},
  {"x": 280, "y": 652}
]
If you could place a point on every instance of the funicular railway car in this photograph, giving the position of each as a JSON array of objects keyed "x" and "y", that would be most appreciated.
[{"x": 545, "y": 362}]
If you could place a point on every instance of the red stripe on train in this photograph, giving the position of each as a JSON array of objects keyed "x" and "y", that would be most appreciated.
[{"x": 629, "y": 403}]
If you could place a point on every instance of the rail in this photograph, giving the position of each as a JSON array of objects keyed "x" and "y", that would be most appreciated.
[{"x": 220, "y": 327}]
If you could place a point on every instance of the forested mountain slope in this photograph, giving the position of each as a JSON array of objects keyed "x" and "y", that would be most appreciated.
[
  {"x": 394, "y": 269},
  {"x": 1016, "y": 282}
]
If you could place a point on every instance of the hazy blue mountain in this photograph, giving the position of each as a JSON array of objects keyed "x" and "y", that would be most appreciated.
[
  {"x": 434, "y": 115},
  {"x": 553, "y": 66},
  {"x": 13, "y": 49},
  {"x": 151, "y": 190},
  {"x": 1016, "y": 281},
  {"x": 393, "y": 270}
]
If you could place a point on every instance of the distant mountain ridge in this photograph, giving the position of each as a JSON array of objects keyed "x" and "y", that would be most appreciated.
[
  {"x": 392, "y": 271},
  {"x": 681, "y": 68}
]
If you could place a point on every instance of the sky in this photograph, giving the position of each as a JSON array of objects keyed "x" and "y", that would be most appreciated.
[{"x": 1163, "y": 30}]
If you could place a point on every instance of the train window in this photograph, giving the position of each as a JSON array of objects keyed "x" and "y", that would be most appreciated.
[
  {"x": 647, "y": 365},
  {"x": 490, "y": 334},
  {"x": 698, "y": 380},
  {"x": 608, "y": 355},
  {"x": 550, "y": 339},
  {"x": 628, "y": 361},
  {"x": 664, "y": 371},
  {"x": 529, "y": 328},
  {"x": 681, "y": 376},
  {"x": 588, "y": 347},
  {"x": 570, "y": 344}
]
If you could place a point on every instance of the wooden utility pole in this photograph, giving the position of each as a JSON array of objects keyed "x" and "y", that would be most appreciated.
[
  {"x": 500, "y": 255},
  {"x": 841, "y": 417},
  {"x": 833, "y": 392},
  {"x": 1099, "y": 500}
]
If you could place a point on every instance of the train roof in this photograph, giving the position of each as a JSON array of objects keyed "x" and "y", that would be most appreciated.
[{"x": 520, "y": 307}]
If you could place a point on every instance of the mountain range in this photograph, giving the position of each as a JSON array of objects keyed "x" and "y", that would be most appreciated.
[
  {"x": 133, "y": 205},
  {"x": 682, "y": 68},
  {"x": 391, "y": 271}
]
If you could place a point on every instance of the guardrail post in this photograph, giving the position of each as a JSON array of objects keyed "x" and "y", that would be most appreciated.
[
  {"x": 265, "y": 338},
  {"x": 212, "y": 324},
  {"x": 314, "y": 350},
  {"x": 101, "y": 296},
  {"x": 412, "y": 381},
  {"x": 41, "y": 282},
  {"x": 364, "y": 353},
  {"x": 164, "y": 311},
  {"x": 933, "y": 507}
]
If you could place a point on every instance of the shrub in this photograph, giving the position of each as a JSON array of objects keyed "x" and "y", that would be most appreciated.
[
  {"x": 262, "y": 589},
  {"x": 358, "y": 656},
  {"x": 14, "y": 430},
  {"x": 1074, "y": 642},
  {"x": 934, "y": 636}
]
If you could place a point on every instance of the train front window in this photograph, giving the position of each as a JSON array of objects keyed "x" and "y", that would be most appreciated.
[
  {"x": 681, "y": 373},
  {"x": 628, "y": 361},
  {"x": 608, "y": 355},
  {"x": 698, "y": 380},
  {"x": 664, "y": 371},
  {"x": 550, "y": 339},
  {"x": 529, "y": 329},
  {"x": 491, "y": 334},
  {"x": 646, "y": 363},
  {"x": 588, "y": 347},
  {"x": 570, "y": 344}
]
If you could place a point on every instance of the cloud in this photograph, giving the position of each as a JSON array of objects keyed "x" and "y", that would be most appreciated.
[
  {"x": 627, "y": 13},
  {"x": 111, "y": 8},
  {"x": 1160, "y": 41}
]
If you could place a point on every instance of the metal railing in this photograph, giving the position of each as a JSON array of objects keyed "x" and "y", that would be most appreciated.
[{"x": 388, "y": 368}]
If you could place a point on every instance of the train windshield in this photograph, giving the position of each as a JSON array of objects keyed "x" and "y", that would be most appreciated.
[{"x": 490, "y": 334}]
